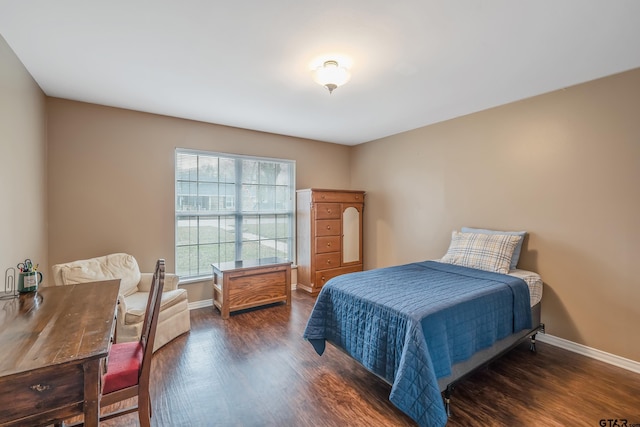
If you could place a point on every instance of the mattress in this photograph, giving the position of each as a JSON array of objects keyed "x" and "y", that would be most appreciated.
[{"x": 533, "y": 281}]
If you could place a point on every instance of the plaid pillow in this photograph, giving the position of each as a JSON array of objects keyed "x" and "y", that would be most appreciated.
[
  {"x": 516, "y": 252},
  {"x": 490, "y": 252}
]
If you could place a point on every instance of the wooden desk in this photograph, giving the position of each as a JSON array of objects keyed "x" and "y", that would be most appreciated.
[
  {"x": 245, "y": 284},
  {"x": 53, "y": 349}
]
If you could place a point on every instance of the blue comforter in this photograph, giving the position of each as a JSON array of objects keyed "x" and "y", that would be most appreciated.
[{"x": 410, "y": 323}]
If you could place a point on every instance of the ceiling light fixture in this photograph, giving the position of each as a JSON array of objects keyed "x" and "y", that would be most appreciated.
[{"x": 331, "y": 75}]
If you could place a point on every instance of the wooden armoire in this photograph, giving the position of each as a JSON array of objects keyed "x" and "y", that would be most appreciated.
[{"x": 329, "y": 235}]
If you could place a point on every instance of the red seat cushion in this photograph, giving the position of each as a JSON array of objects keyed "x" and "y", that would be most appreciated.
[{"x": 123, "y": 366}]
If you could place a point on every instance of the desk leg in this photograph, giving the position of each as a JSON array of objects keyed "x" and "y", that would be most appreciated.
[{"x": 91, "y": 393}]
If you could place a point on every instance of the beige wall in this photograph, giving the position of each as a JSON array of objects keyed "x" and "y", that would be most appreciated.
[
  {"x": 565, "y": 166},
  {"x": 111, "y": 178},
  {"x": 23, "y": 166}
]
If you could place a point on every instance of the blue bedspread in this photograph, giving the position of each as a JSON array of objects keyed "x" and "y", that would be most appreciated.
[{"x": 410, "y": 323}]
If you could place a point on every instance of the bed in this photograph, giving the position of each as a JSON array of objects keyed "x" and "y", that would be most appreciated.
[{"x": 423, "y": 326}]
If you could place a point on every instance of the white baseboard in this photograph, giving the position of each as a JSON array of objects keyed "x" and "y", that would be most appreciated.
[
  {"x": 603, "y": 356},
  {"x": 201, "y": 304}
]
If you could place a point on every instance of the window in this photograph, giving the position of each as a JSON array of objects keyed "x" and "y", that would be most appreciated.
[{"x": 231, "y": 207}]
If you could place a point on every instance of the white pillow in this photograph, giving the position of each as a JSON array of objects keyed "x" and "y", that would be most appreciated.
[
  {"x": 489, "y": 252},
  {"x": 114, "y": 266}
]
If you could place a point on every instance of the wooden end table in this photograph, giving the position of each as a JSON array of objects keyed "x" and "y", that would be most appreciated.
[{"x": 238, "y": 285}]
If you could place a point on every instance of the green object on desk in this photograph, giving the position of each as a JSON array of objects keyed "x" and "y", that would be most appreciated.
[{"x": 28, "y": 281}]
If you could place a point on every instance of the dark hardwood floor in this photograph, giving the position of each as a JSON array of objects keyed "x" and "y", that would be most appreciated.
[{"x": 256, "y": 370}]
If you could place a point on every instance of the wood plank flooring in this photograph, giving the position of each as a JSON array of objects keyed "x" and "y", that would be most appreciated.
[{"x": 256, "y": 370}]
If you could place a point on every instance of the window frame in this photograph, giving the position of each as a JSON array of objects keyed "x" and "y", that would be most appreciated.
[{"x": 238, "y": 215}]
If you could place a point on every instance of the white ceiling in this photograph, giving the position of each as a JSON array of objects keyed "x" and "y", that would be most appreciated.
[{"x": 247, "y": 63}]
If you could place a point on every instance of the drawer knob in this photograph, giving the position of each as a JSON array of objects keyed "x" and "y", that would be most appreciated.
[
  {"x": 329, "y": 244},
  {"x": 322, "y": 278},
  {"x": 40, "y": 388},
  {"x": 328, "y": 227},
  {"x": 328, "y": 261},
  {"x": 328, "y": 210}
]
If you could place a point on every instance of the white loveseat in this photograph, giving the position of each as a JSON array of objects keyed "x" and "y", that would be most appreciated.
[{"x": 134, "y": 292}]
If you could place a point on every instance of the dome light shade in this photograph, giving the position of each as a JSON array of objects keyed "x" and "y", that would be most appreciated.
[{"x": 331, "y": 75}]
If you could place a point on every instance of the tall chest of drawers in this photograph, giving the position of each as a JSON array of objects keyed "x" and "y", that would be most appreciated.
[{"x": 329, "y": 235}]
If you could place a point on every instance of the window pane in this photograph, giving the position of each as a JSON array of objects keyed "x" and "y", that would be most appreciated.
[
  {"x": 267, "y": 198},
  {"x": 186, "y": 260},
  {"x": 227, "y": 229},
  {"x": 282, "y": 199},
  {"x": 186, "y": 196},
  {"x": 227, "y": 252},
  {"x": 282, "y": 248},
  {"x": 207, "y": 256},
  {"x": 250, "y": 250},
  {"x": 207, "y": 197},
  {"x": 187, "y": 166},
  {"x": 250, "y": 198},
  {"x": 184, "y": 188},
  {"x": 267, "y": 227},
  {"x": 227, "y": 197},
  {"x": 283, "y": 226},
  {"x": 208, "y": 169},
  {"x": 227, "y": 170},
  {"x": 209, "y": 231},
  {"x": 250, "y": 172},
  {"x": 250, "y": 228},
  {"x": 186, "y": 231},
  {"x": 267, "y": 248},
  {"x": 268, "y": 173},
  {"x": 284, "y": 175},
  {"x": 208, "y": 188}
]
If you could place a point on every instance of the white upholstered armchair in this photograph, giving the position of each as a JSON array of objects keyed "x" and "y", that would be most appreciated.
[{"x": 134, "y": 292}]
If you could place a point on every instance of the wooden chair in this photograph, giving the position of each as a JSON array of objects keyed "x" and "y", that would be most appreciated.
[{"x": 129, "y": 363}]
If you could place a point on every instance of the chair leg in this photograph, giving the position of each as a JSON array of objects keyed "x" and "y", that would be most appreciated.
[{"x": 144, "y": 410}]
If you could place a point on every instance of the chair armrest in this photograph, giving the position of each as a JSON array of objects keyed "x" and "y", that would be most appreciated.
[
  {"x": 170, "y": 282},
  {"x": 122, "y": 308}
]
